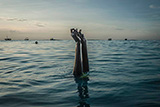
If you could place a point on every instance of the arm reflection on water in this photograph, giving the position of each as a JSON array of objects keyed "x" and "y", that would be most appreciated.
[{"x": 82, "y": 87}]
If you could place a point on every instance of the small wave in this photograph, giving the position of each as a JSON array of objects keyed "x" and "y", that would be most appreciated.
[
  {"x": 7, "y": 83},
  {"x": 11, "y": 58},
  {"x": 26, "y": 68}
]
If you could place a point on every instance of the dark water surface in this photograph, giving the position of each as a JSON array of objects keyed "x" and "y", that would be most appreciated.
[{"x": 122, "y": 74}]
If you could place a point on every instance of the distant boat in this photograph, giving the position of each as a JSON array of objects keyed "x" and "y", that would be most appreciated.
[
  {"x": 110, "y": 39},
  {"x": 125, "y": 39},
  {"x": 26, "y": 38},
  {"x": 8, "y": 39},
  {"x": 52, "y": 39}
]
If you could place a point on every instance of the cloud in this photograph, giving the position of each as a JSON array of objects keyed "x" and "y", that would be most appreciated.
[
  {"x": 31, "y": 22},
  {"x": 13, "y": 19},
  {"x": 22, "y": 20},
  {"x": 154, "y": 7},
  {"x": 40, "y": 25},
  {"x": 16, "y": 19}
]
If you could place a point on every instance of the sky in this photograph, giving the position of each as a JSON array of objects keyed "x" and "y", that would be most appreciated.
[{"x": 98, "y": 19}]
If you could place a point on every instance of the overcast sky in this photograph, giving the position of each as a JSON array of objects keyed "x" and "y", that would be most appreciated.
[{"x": 98, "y": 19}]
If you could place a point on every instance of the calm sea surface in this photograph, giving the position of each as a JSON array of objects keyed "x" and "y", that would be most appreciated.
[{"x": 122, "y": 74}]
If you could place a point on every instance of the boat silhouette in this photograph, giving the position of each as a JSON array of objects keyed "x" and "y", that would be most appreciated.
[
  {"x": 26, "y": 38},
  {"x": 52, "y": 39},
  {"x": 110, "y": 39},
  {"x": 8, "y": 39}
]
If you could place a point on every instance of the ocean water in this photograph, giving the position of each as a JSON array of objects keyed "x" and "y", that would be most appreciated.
[{"x": 122, "y": 74}]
